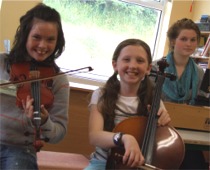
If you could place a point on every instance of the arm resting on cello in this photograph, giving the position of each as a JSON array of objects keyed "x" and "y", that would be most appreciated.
[{"x": 104, "y": 139}]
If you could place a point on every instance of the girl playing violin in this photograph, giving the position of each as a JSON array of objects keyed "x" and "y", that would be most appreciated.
[
  {"x": 128, "y": 95},
  {"x": 39, "y": 40}
]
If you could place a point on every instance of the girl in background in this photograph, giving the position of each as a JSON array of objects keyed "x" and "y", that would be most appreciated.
[{"x": 184, "y": 37}]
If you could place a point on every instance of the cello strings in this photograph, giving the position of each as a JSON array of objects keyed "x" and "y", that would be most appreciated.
[{"x": 148, "y": 141}]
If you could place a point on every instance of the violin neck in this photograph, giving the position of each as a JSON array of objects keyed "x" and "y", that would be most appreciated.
[{"x": 35, "y": 91}]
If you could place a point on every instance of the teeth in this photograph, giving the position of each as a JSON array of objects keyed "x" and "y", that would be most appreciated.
[
  {"x": 132, "y": 73},
  {"x": 41, "y": 52}
]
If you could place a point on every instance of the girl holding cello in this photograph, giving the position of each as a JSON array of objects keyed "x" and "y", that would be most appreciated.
[
  {"x": 39, "y": 40},
  {"x": 120, "y": 98}
]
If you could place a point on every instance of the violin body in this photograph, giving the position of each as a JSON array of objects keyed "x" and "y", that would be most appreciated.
[
  {"x": 21, "y": 72},
  {"x": 168, "y": 150}
]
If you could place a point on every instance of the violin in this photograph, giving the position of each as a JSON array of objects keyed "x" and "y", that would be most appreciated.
[
  {"x": 162, "y": 146},
  {"x": 22, "y": 76},
  {"x": 36, "y": 81},
  {"x": 24, "y": 71},
  {"x": 39, "y": 90}
]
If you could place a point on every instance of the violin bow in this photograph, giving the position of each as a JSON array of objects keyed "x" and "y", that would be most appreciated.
[{"x": 47, "y": 77}]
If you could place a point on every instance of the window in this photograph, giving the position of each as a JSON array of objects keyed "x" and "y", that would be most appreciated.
[{"x": 93, "y": 29}]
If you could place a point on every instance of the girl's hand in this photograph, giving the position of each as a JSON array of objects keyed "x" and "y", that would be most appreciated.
[
  {"x": 164, "y": 118},
  {"x": 133, "y": 156},
  {"x": 28, "y": 106},
  {"x": 29, "y": 109},
  {"x": 44, "y": 114}
]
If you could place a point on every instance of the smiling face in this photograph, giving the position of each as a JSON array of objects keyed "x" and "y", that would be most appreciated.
[
  {"x": 186, "y": 42},
  {"x": 42, "y": 39},
  {"x": 132, "y": 65}
]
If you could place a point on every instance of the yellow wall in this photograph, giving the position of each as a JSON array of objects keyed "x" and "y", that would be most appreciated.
[
  {"x": 181, "y": 9},
  {"x": 200, "y": 8},
  {"x": 11, "y": 11}
]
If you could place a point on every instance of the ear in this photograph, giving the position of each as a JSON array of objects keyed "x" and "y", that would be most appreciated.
[
  {"x": 114, "y": 65},
  {"x": 172, "y": 43},
  {"x": 149, "y": 69}
]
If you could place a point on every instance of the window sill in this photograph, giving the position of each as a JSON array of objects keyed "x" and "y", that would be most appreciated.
[{"x": 86, "y": 84}]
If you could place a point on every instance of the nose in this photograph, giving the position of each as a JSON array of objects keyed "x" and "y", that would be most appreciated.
[
  {"x": 42, "y": 44},
  {"x": 189, "y": 42},
  {"x": 133, "y": 64}
]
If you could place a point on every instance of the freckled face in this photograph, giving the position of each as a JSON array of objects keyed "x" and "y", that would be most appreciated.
[
  {"x": 132, "y": 64},
  {"x": 42, "y": 39},
  {"x": 186, "y": 43}
]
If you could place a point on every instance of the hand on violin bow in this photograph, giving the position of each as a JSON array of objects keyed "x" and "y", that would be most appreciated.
[
  {"x": 133, "y": 156},
  {"x": 29, "y": 109}
]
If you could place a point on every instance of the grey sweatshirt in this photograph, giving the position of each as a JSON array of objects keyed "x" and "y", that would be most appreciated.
[{"x": 17, "y": 129}]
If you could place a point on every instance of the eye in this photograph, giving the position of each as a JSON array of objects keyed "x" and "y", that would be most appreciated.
[
  {"x": 183, "y": 39},
  {"x": 36, "y": 37},
  {"x": 51, "y": 39},
  {"x": 193, "y": 39},
  {"x": 126, "y": 59},
  {"x": 140, "y": 60}
]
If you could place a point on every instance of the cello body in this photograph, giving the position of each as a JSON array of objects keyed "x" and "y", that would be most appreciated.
[{"x": 168, "y": 150}]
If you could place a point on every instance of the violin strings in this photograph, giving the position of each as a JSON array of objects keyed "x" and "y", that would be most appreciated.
[{"x": 35, "y": 90}]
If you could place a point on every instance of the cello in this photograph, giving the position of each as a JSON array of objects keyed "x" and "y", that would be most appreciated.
[{"x": 162, "y": 146}]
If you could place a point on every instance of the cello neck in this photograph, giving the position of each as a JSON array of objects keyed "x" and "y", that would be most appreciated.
[{"x": 150, "y": 132}]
